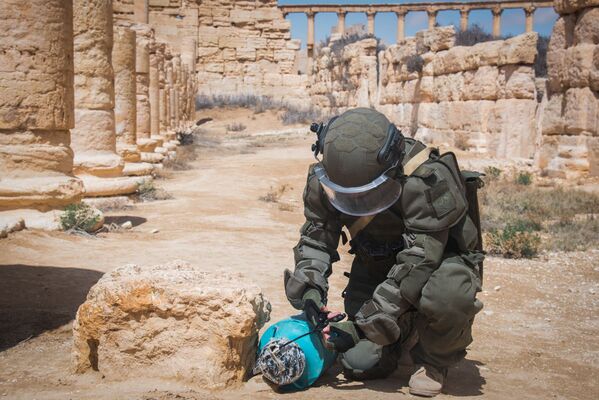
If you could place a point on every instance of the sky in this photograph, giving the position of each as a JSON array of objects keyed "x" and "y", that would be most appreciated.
[{"x": 385, "y": 24}]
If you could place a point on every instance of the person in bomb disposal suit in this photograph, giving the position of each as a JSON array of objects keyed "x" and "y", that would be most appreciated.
[{"x": 418, "y": 260}]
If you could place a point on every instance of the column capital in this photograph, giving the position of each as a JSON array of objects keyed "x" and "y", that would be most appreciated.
[
  {"x": 341, "y": 11},
  {"x": 310, "y": 13},
  {"x": 464, "y": 10},
  {"x": 432, "y": 12},
  {"x": 497, "y": 11},
  {"x": 402, "y": 12},
  {"x": 370, "y": 12},
  {"x": 529, "y": 10}
]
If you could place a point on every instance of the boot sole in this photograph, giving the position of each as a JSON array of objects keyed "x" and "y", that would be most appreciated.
[{"x": 424, "y": 392}]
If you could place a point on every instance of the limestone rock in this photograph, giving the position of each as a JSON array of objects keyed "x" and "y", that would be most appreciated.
[
  {"x": 436, "y": 39},
  {"x": 99, "y": 187},
  {"x": 521, "y": 49},
  {"x": 482, "y": 84},
  {"x": 587, "y": 27},
  {"x": 571, "y": 6},
  {"x": 580, "y": 111},
  {"x": 171, "y": 321}
]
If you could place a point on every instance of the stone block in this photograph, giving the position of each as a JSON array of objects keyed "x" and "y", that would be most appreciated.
[
  {"x": 571, "y": 6},
  {"x": 578, "y": 62},
  {"x": 481, "y": 84},
  {"x": 486, "y": 53},
  {"x": 246, "y": 54},
  {"x": 436, "y": 39},
  {"x": 514, "y": 124},
  {"x": 518, "y": 82},
  {"x": 241, "y": 17},
  {"x": 580, "y": 111},
  {"x": 427, "y": 89},
  {"x": 594, "y": 72},
  {"x": 565, "y": 156},
  {"x": 552, "y": 122},
  {"x": 562, "y": 35},
  {"x": 587, "y": 27},
  {"x": 448, "y": 87},
  {"x": 556, "y": 69},
  {"x": 207, "y": 36},
  {"x": 521, "y": 49}
]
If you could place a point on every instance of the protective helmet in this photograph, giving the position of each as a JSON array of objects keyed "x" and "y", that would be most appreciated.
[
  {"x": 292, "y": 355},
  {"x": 362, "y": 152}
]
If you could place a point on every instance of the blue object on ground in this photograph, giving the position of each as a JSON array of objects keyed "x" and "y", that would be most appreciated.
[{"x": 318, "y": 358}]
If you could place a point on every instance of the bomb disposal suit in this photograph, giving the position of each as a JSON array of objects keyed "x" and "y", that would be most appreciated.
[{"x": 416, "y": 265}]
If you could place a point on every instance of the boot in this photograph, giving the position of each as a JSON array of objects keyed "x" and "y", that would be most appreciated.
[{"x": 427, "y": 381}]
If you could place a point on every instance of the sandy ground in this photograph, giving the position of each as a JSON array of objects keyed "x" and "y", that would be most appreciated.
[{"x": 538, "y": 336}]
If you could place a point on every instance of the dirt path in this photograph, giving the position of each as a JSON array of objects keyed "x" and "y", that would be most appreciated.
[{"x": 538, "y": 336}]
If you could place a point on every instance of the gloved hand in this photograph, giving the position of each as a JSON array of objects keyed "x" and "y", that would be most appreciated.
[
  {"x": 341, "y": 336},
  {"x": 313, "y": 306}
]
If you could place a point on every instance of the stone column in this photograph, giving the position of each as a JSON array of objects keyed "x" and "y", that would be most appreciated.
[
  {"x": 497, "y": 21},
  {"x": 170, "y": 79},
  {"x": 164, "y": 119},
  {"x": 310, "y": 43},
  {"x": 370, "y": 15},
  {"x": 142, "y": 70},
  {"x": 94, "y": 136},
  {"x": 36, "y": 108},
  {"x": 154, "y": 89},
  {"x": 189, "y": 53},
  {"x": 464, "y": 19},
  {"x": 401, "y": 26},
  {"x": 432, "y": 19},
  {"x": 341, "y": 22},
  {"x": 123, "y": 63},
  {"x": 141, "y": 11},
  {"x": 529, "y": 12}
]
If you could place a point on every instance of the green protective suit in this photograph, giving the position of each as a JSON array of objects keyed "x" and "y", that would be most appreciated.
[{"x": 415, "y": 264}]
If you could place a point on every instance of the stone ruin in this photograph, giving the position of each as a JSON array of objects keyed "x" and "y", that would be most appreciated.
[
  {"x": 171, "y": 321},
  {"x": 95, "y": 91},
  {"x": 570, "y": 125},
  {"x": 91, "y": 103}
]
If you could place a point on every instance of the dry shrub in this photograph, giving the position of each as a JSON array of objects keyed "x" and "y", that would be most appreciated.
[
  {"x": 522, "y": 219},
  {"x": 183, "y": 156},
  {"x": 274, "y": 194},
  {"x": 236, "y": 127},
  {"x": 79, "y": 218},
  {"x": 414, "y": 63},
  {"x": 147, "y": 191},
  {"x": 286, "y": 207}
]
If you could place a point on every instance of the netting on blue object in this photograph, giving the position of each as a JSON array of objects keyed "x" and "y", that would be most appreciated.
[{"x": 281, "y": 362}]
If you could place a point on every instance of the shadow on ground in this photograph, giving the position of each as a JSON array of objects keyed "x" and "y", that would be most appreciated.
[
  {"x": 34, "y": 299},
  {"x": 121, "y": 219}
]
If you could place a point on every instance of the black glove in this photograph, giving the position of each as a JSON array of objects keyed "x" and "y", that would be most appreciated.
[
  {"x": 343, "y": 336},
  {"x": 312, "y": 303}
]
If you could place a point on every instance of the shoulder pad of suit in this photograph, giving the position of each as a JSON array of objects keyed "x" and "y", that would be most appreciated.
[{"x": 433, "y": 197}]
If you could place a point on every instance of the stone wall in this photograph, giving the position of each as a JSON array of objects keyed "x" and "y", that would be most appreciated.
[
  {"x": 231, "y": 46},
  {"x": 482, "y": 97},
  {"x": 570, "y": 119}
]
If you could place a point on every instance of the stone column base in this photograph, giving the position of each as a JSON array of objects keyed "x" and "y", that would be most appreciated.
[
  {"x": 98, "y": 163},
  {"x": 44, "y": 193},
  {"x": 100, "y": 187},
  {"x": 138, "y": 169}
]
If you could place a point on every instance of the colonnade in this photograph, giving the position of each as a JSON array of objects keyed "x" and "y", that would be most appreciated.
[
  {"x": 401, "y": 10},
  {"x": 93, "y": 110}
]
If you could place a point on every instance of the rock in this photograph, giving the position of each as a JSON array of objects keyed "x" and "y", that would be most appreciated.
[
  {"x": 518, "y": 81},
  {"x": 521, "y": 49},
  {"x": 481, "y": 84},
  {"x": 127, "y": 225},
  {"x": 580, "y": 111},
  {"x": 587, "y": 27},
  {"x": 436, "y": 39},
  {"x": 552, "y": 121},
  {"x": 171, "y": 321},
  {"x": 497, "y": 288},
  {"x": 571, "y": 6},
  {"x": 154, "y": 231}
]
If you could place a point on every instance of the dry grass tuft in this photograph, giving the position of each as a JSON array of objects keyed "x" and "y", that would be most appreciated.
[
  {"x": 275, "y": 194},
  {"x": 520, "y": 219}
]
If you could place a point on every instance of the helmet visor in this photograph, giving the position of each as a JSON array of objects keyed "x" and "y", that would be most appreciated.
[{"x": 359, "y": 201}]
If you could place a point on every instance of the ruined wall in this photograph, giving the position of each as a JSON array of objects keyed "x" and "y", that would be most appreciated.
[
  {"x": 483, "y": 96},
  {"x": 230, "y": 46},
  {"x": 345, "y": 76},
  {"x": 570, "y": 142}
]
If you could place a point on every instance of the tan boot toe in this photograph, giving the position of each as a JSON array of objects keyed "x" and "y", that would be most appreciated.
[{"x": 427, "y": 381}]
